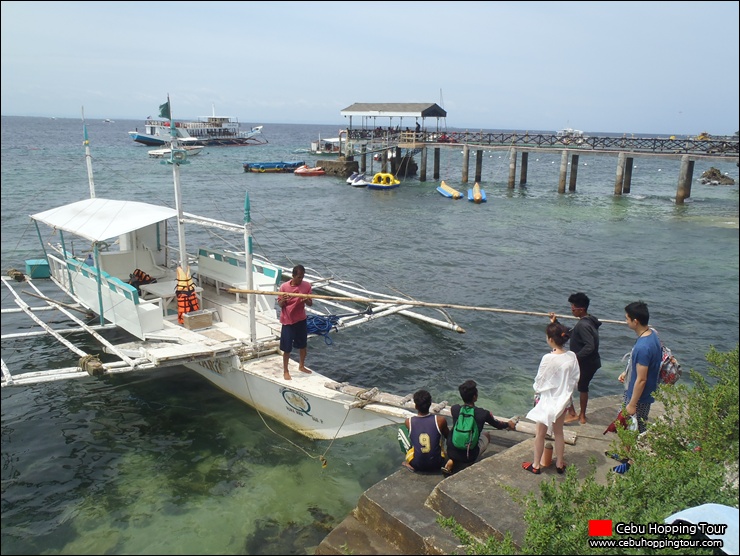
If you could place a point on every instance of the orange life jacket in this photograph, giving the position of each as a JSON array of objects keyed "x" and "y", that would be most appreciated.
[
  {"x": 140, "y": 277},
  {"x": 187, "y": 300}
]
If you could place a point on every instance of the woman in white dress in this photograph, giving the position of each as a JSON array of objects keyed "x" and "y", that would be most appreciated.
[{"x": 556, "y": 379}]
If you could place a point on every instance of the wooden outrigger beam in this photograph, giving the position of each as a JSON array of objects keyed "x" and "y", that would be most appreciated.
[
  {"x": 367, "y": 397},
  {"x": 412, "y": 303},
  {"x": 113, "y": 349},
  {"x": 60, "y": 331},
  {"x": 344, "y": 291},
  {"x": 26, "y": 309}
]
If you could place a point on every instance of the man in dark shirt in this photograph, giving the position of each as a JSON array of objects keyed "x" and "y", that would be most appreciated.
[
  {"x": 457, "y": 457},
  {"x": 425, "y": 432},
  {"x": 584, "y": 342}
]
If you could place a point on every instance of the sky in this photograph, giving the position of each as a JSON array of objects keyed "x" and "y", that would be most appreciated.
[{"x": 625, "y": 67}]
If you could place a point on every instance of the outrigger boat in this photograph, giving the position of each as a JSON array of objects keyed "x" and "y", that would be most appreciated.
[
  {"x": 191, "y": 150},
  {"x": 232, "y": 339}
]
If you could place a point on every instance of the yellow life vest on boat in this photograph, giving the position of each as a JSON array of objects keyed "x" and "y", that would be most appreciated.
[{"x": 187, "y": 299}]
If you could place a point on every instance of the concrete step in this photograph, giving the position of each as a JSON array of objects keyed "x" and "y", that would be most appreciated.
[
  {"x": 395, "y": 508},
  {"x": 354, "y": 537},
  {"x": 391, "y": 518},
  {"x": 395, "y": 511}
]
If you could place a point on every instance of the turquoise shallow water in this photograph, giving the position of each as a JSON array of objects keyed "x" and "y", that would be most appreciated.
[{"x": 165, "y": 463}]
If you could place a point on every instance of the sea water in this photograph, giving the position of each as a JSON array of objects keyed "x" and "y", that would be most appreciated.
[{"x": 165, "y": 463}]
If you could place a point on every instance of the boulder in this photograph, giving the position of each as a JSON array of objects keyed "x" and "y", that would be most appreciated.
[{"x": 714, "y": 177}]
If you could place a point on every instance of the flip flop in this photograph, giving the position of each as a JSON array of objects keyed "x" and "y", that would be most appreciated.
[
  {"x": 447, "y": 471},
  {"x": 529, "y": 466},
  {"x": 622, "y": 468},
  {"x": 616, "y": 456}
]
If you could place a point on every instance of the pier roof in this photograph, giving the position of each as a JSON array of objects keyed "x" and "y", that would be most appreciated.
[{"x": 395, "y": 109}]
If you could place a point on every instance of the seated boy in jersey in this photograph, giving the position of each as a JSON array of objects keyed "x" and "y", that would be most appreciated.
[
  {"x": 457, "y": 457},
  {"x": 425, "y": 435}
]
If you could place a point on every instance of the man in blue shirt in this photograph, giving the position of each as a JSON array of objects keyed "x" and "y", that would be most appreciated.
[{"x": 641, "y": 378}]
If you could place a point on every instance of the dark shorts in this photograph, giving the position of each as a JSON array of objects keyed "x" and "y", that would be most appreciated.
[
  {"x": 585, "y": 379},
  {"x": 294, "y": 336}
]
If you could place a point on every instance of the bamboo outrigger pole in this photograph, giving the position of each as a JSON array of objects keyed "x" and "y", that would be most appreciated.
[{"x": 414, "y": 303}]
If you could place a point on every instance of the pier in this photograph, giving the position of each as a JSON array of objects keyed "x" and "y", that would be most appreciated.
[
  {"x": 369, "y": 140},
  {"x": 519, "y": 146}
]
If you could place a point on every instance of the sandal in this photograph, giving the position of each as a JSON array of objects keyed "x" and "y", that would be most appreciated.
[
  {"x": 529, "y": 466},
  {"x": 447, "y": 470},
  {"x": 560, "y": 470},
  {"x": 616, "y": 456}
]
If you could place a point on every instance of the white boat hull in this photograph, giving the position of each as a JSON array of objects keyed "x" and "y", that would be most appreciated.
[
  {"x": 303, "y": 404},
  {"x": 162, "y": 153}
]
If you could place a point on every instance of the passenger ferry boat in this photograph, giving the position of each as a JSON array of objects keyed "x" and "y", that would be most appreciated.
[
  {"x": 569, "y": 135},
  {"x": 211, "y": 131}
]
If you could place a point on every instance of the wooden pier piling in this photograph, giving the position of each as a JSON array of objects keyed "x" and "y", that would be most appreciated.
[
  {"x": 619, "y": 180},
  {"x": 573, "y": 172},
  {"x": 685, "y": 175},
  {"x": 466, "y": 162},
  {"x": 525, "y": 168},
  {"x": 563, "y": 171},
  {"x": 423, "y": 167},
  {"x": 512, "y": 168},
  {"x": 627, "y": 184}
]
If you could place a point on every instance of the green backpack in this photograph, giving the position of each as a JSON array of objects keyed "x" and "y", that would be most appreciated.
[{"x": 465, "y": 433}]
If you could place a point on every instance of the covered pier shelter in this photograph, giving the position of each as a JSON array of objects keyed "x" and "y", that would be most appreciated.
[{"x": 364, "y": 115}]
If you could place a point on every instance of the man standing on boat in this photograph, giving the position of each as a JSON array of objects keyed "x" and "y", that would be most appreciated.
[{"x": 293, "y": 317}]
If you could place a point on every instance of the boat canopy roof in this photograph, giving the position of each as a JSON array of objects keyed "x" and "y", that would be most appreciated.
[
  {"x": 100, "y": 219},
  {"x": 395, "y": 109}
]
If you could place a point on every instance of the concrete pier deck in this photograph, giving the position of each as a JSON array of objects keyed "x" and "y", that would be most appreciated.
[{"x": 399, "y": 514}]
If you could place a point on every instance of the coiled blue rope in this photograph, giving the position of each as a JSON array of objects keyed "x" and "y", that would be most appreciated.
[{"x": 322, "y": 325}]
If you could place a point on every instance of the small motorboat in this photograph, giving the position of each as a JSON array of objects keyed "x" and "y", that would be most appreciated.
[
  {"x": 476, "y": 194},
  {"x": 306, "y": 171},
  {"x": 449, "y": 192},
  {"x": 352, "y": 177},
  {"x": 383, "y": 180}
]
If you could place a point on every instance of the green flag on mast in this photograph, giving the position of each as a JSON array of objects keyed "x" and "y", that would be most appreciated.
[{"x": 164, "y": 110}]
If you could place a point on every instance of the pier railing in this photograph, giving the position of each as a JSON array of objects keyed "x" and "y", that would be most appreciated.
[{"x": 724, "y": 146}]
